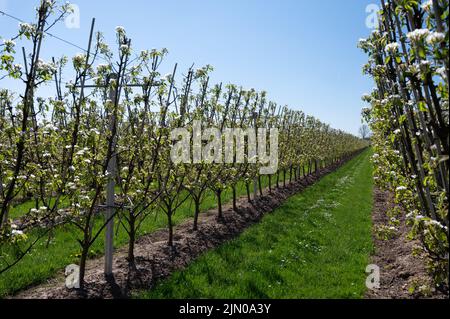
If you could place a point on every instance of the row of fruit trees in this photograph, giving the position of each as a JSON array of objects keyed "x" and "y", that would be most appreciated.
[
  {"x": 57, "y": 152},
  {"x": 409, "y": 117}
]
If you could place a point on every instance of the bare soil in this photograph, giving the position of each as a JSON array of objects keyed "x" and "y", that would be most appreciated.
[
  {"x": 400, "y": 271},
  {"x": 155, "y": 260}
]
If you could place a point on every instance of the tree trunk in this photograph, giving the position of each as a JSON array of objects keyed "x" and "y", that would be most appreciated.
[
  {"x": 83, "y": 258},
  {"x": 278, "y": 179},
  {"x": 196, "y": 213},
  {"x": 132, "y": 240},
  {"x": 260, "y": 186},
  {"x": 219, "y": 204},
  {"x": 234, "y": 198},
  {"x": 290, "y": 174},
  {"x": 169, "y": 222},
  {"x": 247, "y": 187}
]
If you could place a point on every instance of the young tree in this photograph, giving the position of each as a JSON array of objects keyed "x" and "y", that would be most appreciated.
[{"x": 364, "y": 131}]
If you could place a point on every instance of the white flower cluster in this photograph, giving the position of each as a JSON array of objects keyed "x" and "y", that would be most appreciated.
[
  {"x": 45, "y": 67},
  {"x": 366, "y": 97},
  {"x": 48, "y": 3},
  {"x": 391, "y": 48},
  {"x": 365, "y": 44},
  {"x": 16, "y": 232},
  {"x": 71, "y": 186},
  {"x": 120, "y": 30},
  {"x": 79, "y": 60},
  {"x": 82, "y": 152},
  {"x": 427, "y": 5},
  {"x": 424, "y": 66},
  {"x": 436, "y": 224},
  {"x": 9, "y": 43},
  {"x": 441, "y": 71},
  {"x": 103, "y": 68},
  {"x": 125, "y": 49},
  {"x": 95, "y": 131},
  {"x": 27, "y": 28},
  {"x": 435, "y": 38},
  {"x": 17, "y": 68},
  {"x": 49, "y": 127},
  {"x": 418, "y": 35},
  {"x": 413, "y": 69}
]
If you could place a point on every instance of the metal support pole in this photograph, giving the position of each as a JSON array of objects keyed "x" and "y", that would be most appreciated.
[
  {"x": 112, "y": 166},
  {"x": 110, "y": 200},
  {"x": 255, "y": 181}
]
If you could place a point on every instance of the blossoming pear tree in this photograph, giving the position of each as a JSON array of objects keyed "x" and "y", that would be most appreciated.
[{"x": 409, "y": 117}]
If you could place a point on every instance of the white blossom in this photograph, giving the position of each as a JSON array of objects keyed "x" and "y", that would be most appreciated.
[
  {"x": 26, "y": 28},
  {"x": 16, "y": 232},
  {"x": 427, "y": 5},
  {"x": 418, "y": 35},
  {"x": 102, "y": 68},
  {"x": 79, "y": 60},
  {"x": 366, "y": 97},
  {"x": 441, "y": 71},
  {"x": 120, "y": 29},
  {"x": 95, "y": 131},
  {"x": 391, "y": 48},
  {"x": 435, "y": 38},
  {"x": 9, "y": 43},
  {"x": 46, "y": 67},
  {"x": 125, "y": 49},
  {"x": 435, "y": 223}
]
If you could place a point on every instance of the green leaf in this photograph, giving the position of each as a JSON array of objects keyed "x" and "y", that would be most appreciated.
[
  {"x": 422, "y": 52},
  {"x": 422, "y": 106},
  {"x": 387, "y": 60}
]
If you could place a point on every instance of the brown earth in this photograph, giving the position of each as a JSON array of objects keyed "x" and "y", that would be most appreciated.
[
  {"x": 400, "y": 271},
  {"x": 155, "y": 260}
]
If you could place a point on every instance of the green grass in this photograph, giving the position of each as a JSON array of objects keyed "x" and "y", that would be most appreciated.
[
  {"x": 316, "y": 245},
  {"x": 50, "y": 256}
]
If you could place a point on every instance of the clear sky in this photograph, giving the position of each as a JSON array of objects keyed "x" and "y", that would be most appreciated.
[{"x": 303, "y": 53}]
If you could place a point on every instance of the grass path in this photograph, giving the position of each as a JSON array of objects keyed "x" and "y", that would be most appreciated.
[{"x": 316, "y": 245}]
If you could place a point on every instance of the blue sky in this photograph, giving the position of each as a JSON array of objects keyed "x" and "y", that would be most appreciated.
[{"x": 303, "y": 53}]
